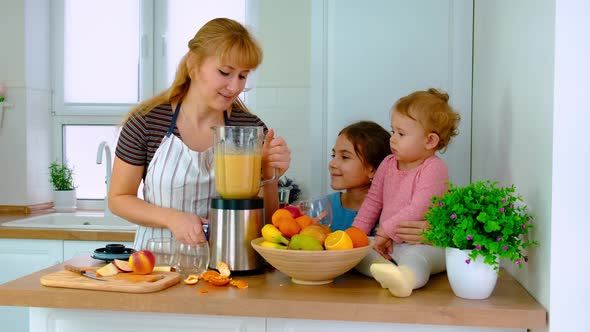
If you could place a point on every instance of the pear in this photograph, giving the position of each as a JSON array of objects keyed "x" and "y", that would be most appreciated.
[
  {"x": 272, "y": 234},
  {"x": 305, "y": 242}
]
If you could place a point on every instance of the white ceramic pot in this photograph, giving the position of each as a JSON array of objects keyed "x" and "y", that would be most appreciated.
[
  {"x": 475, "y": 280},
  {"x": 64, "y": 200}
]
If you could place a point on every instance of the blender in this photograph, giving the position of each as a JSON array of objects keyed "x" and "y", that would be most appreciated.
[{"x": 237, "y": 214}]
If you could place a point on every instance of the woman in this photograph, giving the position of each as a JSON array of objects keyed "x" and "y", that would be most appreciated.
[{"x": 167, "y": 140}]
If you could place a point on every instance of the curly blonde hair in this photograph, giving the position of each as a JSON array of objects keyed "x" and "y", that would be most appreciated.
[
  {"x": 225, "y": 38},
  {"x": 432, "y": 110}
]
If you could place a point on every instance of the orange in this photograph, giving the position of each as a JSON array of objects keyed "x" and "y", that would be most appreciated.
[
  {"x": 359, "y": 238},
  {"x": 289, "y": 227},
  {"x": 338, "y": 240},
  {"x": 304, "y": 221},
  {"x": 279, "y": 215}
]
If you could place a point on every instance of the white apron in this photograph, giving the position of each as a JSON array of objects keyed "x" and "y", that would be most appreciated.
[{"x": 179, "y": 178}]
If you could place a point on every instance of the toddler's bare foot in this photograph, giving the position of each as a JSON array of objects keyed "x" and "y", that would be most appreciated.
[{"x": 399, "y": 280}]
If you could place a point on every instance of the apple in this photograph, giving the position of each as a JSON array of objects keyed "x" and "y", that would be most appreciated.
[
  {"x": 123, "y": 266},
  {"x": 295, "y": 212},
  {"x": 142, "y": 262},
  {"x": 317, "y": 231},
  {"x": 106, "y": 271}
]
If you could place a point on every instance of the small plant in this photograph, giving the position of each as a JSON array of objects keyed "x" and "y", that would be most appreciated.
[
  {"x": 295, "y": 191},
  {"x": 483, "y": 218},
  {"x": 61, "y": 177}
]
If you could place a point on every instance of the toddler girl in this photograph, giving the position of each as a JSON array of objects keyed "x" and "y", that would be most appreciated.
[
  {"x": 422, "y": 123},
  {"x": 358, "y": 151}
]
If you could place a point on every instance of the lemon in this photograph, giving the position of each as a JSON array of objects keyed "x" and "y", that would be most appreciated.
[{"x": 338, "y": 240}]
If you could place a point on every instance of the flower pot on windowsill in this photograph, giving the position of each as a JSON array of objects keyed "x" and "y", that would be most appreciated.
[
  {"x": 64, "y": 200},
  {"x": 64, "y": 190}
]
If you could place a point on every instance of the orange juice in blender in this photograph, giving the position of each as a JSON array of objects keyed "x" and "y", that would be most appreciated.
[{"x": 238, "y": 175}]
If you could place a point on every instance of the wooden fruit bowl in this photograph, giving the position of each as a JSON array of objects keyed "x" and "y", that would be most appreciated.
[{"x": 310, "y": 267}]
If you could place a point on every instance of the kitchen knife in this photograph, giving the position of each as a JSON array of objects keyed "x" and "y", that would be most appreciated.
[{"x": 82, "y": 272}]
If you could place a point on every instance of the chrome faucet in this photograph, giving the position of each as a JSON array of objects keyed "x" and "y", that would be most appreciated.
[{"x": 104, "y": 147}]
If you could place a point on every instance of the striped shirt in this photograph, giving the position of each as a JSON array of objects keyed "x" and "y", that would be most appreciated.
[{"x": 142, "y": 134}]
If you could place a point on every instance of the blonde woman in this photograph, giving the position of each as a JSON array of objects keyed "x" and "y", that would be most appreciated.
[{"x": 166, "y": 141}]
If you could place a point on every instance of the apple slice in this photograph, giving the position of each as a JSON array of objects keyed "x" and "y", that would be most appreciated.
[
  {"x": 108, "y": 270},
  {"x": 164, "y": 268},
  {"x": 123, "y": 266}
]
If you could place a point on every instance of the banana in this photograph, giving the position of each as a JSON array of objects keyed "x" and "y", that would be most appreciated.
[
  {"x": 268, "y": 244},
  {"x": 272, "y": 234}
]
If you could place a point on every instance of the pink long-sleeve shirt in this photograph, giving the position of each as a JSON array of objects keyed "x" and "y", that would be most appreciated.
[{"x": 397, "y": 195}]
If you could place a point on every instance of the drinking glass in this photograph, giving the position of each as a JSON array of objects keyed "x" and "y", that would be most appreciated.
[
  {"x": 284, "y": 196},
  {"x": 317, "y": 208},
  {"x": 191, "y": 259},
  {"x": 162, "y": 248}
]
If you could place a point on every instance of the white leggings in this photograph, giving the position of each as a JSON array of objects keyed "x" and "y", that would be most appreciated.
[{"x": 423, "y": 259}]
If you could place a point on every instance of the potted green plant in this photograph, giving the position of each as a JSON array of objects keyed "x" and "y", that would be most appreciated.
[
  {"x": 64, "y": 190},
  {"x": 479, "y": 224}
]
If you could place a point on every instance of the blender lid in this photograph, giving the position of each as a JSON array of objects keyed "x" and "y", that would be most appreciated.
[{"x": 237, "y": 204}]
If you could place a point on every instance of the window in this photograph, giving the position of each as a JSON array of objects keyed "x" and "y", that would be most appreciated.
[{"x": 108, "y": 55}]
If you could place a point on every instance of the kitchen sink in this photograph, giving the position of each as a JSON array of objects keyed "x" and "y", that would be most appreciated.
[{"x": 76, "y": 220}]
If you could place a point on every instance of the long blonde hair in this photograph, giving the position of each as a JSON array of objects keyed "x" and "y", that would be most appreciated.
[{"x": 225, "y": 38}]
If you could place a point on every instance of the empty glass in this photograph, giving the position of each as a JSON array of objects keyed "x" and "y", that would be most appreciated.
[
  {"x": 162, "y": 248},
  {"x": 190, "y": 259},
  {"x": 318, "y": 208},
  {"x": 284, "y": 196}
]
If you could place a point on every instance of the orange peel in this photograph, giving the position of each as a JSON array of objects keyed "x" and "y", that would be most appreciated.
[
  {"x": 223, "y": 269},
  {"x": 241, "y": 284},
  {"x": 209, "y": 274},
  {"x": 191, "y": 279},
  {"x": 219, "y": 281}
]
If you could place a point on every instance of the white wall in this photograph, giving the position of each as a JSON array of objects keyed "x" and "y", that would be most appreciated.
[
  {"x": 372, "y": 53},
  {"x": 569, "y": 287},
  {"x": 282, "y": 93},
  {"x": 25, "y": 137},
  {"x": 513, "y": 114}
]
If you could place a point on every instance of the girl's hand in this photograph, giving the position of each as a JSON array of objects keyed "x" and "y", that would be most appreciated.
[
  {"x": 275, "y": 155},
  {"x": 383, "y": 245},
  {"x": 188, "y": 228},
  {"x": 410, "y": 231}
]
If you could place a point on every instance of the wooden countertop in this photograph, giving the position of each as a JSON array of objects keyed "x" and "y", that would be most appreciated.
[
  {"x": 59, "y": 234},
  {"x": 351, "y": 297}
]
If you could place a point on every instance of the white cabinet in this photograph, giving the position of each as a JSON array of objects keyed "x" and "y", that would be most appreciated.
[
  {"x": 24, "y": 256},
  {"x": 78, "y": 248},
  {"x": 66, "y": 320},
  {"x": 19, "y": 257},
  {"x": 63, "y": 320}
]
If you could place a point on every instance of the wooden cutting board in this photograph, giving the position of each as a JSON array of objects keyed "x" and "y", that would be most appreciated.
[{"x": 122, "y": 282}]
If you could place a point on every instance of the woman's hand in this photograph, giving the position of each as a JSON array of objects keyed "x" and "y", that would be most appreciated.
[
  {"x": 275, "y": 155},
  {"x": 410, "y": 231},
  {"x": 188, "y": 228},
  {"x": 383, "y": 245}
]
